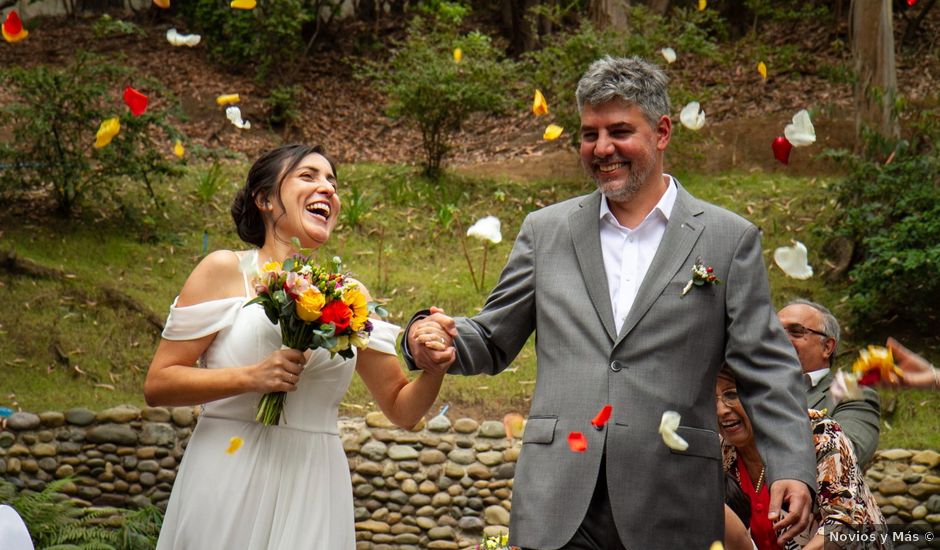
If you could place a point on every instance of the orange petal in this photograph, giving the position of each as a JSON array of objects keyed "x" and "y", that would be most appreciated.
[
  {"x": 12, "y": 28},
  {"x": 514, "y": 424},
  {"x": 106, "y": 132},
  {"x": 552, "y": 131},
  {"x": 539, "y": 105},
  {"x": 576, "y": 442},
  {"x": 234, "y": 444},
  {"x": 458, "y": 55},
  {"x": 762, "y": 69},
  {"x": 178, "y": 149},
  {"x": 602, "y": 417},
  {"x": 226, "y": 99},
  {"x": 165, "y": 4},
  {"x": 243, "y": 4}
]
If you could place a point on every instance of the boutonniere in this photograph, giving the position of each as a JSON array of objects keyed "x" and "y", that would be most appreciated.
[{"x": 701, "y": 274}]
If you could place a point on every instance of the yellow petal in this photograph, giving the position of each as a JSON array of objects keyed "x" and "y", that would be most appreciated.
[
  {"x": 226, "y": 99},
  {"x": 539, "y": 105},
  {"x": 762, "y": 69},
  {"x": 165, "y": 4},
  {"x": 702, "y": 4},
  {"x": 106, "y": 132},
  {"x": 178, "y": 149},
  {"x": 458, "y": 55},
  {"x": 717, "y": 545},
  {"x": 243, "y": 4},
  {"x": 13, "y": 38},
  {"x": 234, "y": 444},
  {"x": 552, "y": 131}
]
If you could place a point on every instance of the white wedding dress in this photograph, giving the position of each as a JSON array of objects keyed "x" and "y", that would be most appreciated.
[{"x": 287, "y": 487}]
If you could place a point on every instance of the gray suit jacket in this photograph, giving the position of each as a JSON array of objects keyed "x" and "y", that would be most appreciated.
[
  {"x": 666, "y": 357},
  {"x": 860, "y": 419}
]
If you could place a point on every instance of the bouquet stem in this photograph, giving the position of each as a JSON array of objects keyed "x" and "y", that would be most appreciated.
[{"x": 269, "y": 410}]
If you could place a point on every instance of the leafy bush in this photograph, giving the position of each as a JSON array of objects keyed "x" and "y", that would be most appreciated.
[
  {"x": 282, "y": 105},
  {"x": 890, "y": 210},
  {"x": 54, "y": 122},
  {"x": 425, "y": 85}
]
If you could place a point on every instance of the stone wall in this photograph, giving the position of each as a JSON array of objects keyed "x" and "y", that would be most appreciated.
[{"x": 441, "y": 487}]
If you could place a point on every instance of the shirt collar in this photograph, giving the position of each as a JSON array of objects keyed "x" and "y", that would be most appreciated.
[
  {"x": 817, "y": 375},
  {"x": 664, "y": 206}
]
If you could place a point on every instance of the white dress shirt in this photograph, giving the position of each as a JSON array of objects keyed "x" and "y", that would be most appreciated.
[
  {"x": 629, "y": 252},
  {"x": 816, "y": 376}
]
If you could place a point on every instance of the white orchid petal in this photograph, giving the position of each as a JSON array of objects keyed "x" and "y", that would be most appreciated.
[
  {"x": 667, "y": 428},
  {"x": 793, "y": 261},
  {"x": 692, "y": 116},
  {"x": 486, "y": 229},
  {"x": 234, "y": 114},
  {"x": 800, "y": 132},
  {"x": 177, "y": 39},
  {"x": 669, "y": 54}
]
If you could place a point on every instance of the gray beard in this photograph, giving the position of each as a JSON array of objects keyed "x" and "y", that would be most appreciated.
[{"x": 630, "y": 188}]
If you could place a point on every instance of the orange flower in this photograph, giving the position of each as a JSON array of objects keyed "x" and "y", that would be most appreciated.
[
  {"x": 539, "y": 105},
  {"x": 309, "y": 305}
]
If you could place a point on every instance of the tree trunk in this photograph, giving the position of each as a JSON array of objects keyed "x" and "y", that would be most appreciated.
[
  {"x": 609, "y": 14},
  {"x": 871, "y": 30},
  {"x": 520, "y": 32}
]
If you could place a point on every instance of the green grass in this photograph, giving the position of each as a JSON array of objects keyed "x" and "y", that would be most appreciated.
[{"x": 399, "y": 249}]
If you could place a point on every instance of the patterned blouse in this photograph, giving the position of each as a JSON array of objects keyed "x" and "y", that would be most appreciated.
[{"x": 844, "y": 503}]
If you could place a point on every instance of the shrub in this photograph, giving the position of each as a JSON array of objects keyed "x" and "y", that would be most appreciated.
[
  {"x": 283, "y": 104},
  {"x": 54, "y": 123},
  {"x": 425, "y": 85}
]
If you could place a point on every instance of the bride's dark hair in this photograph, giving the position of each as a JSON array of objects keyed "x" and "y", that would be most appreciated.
[{"x": 264, "y": 182}]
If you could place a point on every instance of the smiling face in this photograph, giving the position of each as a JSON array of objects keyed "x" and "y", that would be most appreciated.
[
  {"x": 733, "y": 423},
  {"x": 306, "y": 206},
  {"x": 812, "y": 346},
  {"x": 620, "y": 149}
]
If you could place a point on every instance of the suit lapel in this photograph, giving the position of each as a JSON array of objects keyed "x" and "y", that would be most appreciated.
[
  {"x": 682, "y": 232},
  {"x": 585, "y": 234},
  {"x": 817, "y": 395}
]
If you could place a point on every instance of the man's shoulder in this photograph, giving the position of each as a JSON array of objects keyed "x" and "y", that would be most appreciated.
[
  {"x": 713, "y": 212},
  {"x": 560, "y": 210}
]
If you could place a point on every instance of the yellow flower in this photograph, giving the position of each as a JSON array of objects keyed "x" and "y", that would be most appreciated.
[
  {"x": 309, "y": 305},
  {"x": 271, "y": 267},
  {"x": 356, "y": 301}
]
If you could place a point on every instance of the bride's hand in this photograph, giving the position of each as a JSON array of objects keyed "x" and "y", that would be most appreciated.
[{"x": 279, "y": 371}]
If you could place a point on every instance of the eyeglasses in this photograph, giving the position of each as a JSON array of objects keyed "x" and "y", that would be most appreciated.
[
  {"x": 799, "y": 331},
  {"x": 729, "y": 398}
]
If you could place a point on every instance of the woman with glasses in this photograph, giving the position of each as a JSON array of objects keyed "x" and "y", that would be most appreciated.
[{"x": 844, "y": 504}]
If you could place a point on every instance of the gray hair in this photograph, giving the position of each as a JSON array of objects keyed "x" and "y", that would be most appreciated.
[
  {"x": 830, "y": 323},
  {"x": 628, "y": 78}
]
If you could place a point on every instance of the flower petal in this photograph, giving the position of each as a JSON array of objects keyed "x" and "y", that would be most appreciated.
[
  {"x": 576, "y": 442},
  {"x": 178, "y": 149},
  {"x": 165, "y": 4},
  {"x": 669, "y": 54},
  {"x": 234, "y": 114},
  {"x": 552, "y": 131},
  {"x": 800, "y": 132},
  {"x": 792, "y": 260},
  {"x": 227, "y": 99},
  {"x": 702, "y": 4},
  {"x": 234, "y": 444},
  {"x": 514, "y": 424},
  {"x": 106, "y": 132},
  {"x": 458, "y": 55},
  {"x": 602, "y": 417},
  {"x": 487, "y": 229},
  {"x": 845, "y": 387},
  {"x": 667, "y": 429},
  {"x": 243, "y": 4},
  {"x": 12, "y": 28},
  {"x": 692, "y": 116},
  {"x": 539, "y": 105},
  {"x": 762, "y": 69},
  {"x": 136, "y": 101},
  {"x": 177, "y": 39}
]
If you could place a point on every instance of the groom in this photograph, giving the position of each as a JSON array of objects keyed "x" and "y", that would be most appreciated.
[{"x": 603, "y": 279}]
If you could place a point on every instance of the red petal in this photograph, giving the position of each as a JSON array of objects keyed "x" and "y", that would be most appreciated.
[
  {"x": 135, "y": 100},
  {"x": 13, "y": 25},
  {"x": 870, "y": 378},
  {"x": 782, "y": 149},
  {"x": 602, "y": 417},
  {"x": 577, "y": 442},
  {"x": 910, "y": 3}
]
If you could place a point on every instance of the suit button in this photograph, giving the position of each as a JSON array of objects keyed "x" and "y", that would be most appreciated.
[{"x": 616, "y": 366}]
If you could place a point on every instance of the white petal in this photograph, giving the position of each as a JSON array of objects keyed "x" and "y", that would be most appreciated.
[
  {"x": 486, "y": 229},
  {"x": 669, "y": 54},
  {"x": 801, "y": 132},
  {"x": 234, "y": 114},
  {"x": 177, "y": 39},
  {"x": 845, "y": 388},
  {"x": 667, "y": 428},
  {"x": 792, "y": 260},
  {"x": 692, "y": 116}
]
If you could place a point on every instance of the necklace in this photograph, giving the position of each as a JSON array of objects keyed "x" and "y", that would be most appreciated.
[{"x": 760, "y": 481}]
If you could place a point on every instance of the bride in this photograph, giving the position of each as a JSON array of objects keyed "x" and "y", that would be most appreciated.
[{"x": 286, "y": 487}]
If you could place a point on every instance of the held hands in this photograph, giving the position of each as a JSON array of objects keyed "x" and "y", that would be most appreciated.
[
  {"x": 799, "y": 504},
  {"x": 918, "y": 373},
  {"x": 431, "y": 342},
  {"x": 279, "y": 371}
]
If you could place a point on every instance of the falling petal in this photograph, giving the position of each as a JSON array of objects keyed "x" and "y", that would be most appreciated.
[
  {"x": 458, "y": 55},
  {"x": 243, "y": 4},
  {"x": 669, "y": 54},
  {"x": 667, "y": 429},
  {"x": 12, "y": 28},
  {"x": 539, "y": 105},
  {"x": 910, "y": 3},
  {"x": 876, "y": 364},
  {"x": 165, "y": 4},
  {"x": 106, "y": 132},
  {"x": 177, "y": 39},
  {"x": 762, "y": 69},
  {"x": 486, "y": 229},
  {"x": 801, "y": 132},
  {"x": 136, "y": 101},
  {"x": 717, "y": 545},
  {"x": 514, "y": 424},
  {"x": 692, "y": 116},
  {"x": 793, "y": 261},
  {"x": 845, "y": 387},
  {"x": 234, "y": 114},
  {"x": 782, "y": 149},
  {"x": 234, "y": 444},
  {"x": 179, "y": 152},
  {"x": 552, "y": 131},
  {"x": 576, "y": 442},
  {"x": 702, "y": 4},
  {"x": 602, "y": 417},
  {"x": 227, "y": 99}
]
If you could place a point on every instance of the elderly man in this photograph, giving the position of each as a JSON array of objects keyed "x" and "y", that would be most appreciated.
[
  {"x": 814, "y": 332},
  {"x": 621, "y": 287}
]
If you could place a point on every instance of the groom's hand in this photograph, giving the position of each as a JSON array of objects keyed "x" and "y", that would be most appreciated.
[
  {"x": 431, "y": 342},
  {"x": 799, "y": 503}
]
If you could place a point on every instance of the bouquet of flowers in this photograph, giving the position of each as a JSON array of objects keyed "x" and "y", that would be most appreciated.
[
  {"x": 316, "y": 308},
  {"x": 874, "y": 365}
]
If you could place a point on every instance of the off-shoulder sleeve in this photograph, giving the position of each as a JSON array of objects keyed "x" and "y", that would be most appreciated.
[
  {"x": 383, "y": 337},
  {"x": 198, "y": 320}
]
